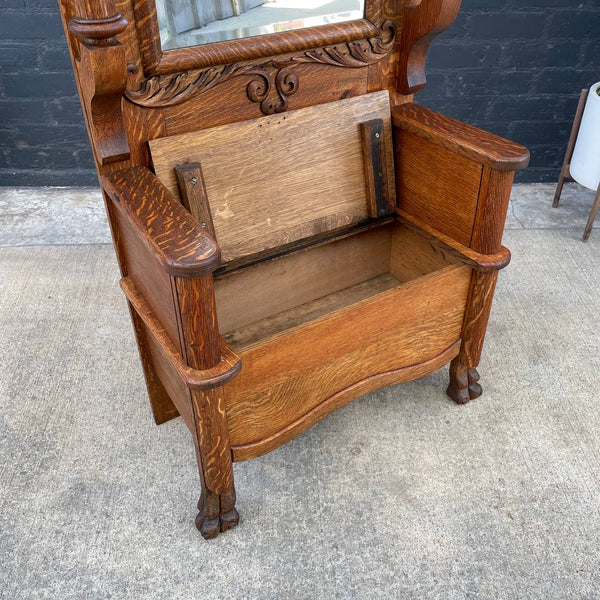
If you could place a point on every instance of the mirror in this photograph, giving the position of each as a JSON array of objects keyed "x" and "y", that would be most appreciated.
[{"x": 193, "y": 22}]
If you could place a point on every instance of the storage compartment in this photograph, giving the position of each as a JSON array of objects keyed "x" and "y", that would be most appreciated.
[{"x": 267, "y": 299}]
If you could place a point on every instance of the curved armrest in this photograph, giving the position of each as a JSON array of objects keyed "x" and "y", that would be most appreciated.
[
  {"x": 480, "y": 146},
  {"x": 224, "y": 371},
  {"x": 172, "y": 234},
  {"x": 481, "y": 262}
]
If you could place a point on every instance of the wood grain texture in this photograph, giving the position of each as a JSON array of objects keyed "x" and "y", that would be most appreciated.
[
  {"x": 169, "y": 374},
  {"x": 452, "y": 249},
  {"x": 102, "y": 81},
  {"x": 481, "y": 294},
  {"x": 206, "y": 109},
  {"x": 281, "y": 321},
  {"x": 464, "y": 378},
  {"x": 169, "y": 231},
  {"x": 198, "y": 321},
  {"x": 460, "y": 138},
  {"x": 309, "y": 160},
  {"x": 193, "y": 195},
  {"x": 422, "y": 22},
  {"x": 436, "y": 185},
  {"x": 341, "y": 397},
  {"x": 143, "y": 124},
  {"x": 216, "y": 507},
  {"x": 271, "y": 82},
  {"x": 202, "y": 349},
  {"x": 492, "y": 207},
  {"x": 286, "y": 376},
  {"x": 163, "y": 407},
  {"x": 301, "y": 245},
  {"x": 413, "y": 255},
  {"x": 226, "y": 367},
  {"x": 145, "y": 271},
  {"x": 327, "y": 303},
  {"x": 271, "y": 287}
]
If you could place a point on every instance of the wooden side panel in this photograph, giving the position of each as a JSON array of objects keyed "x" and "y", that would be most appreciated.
[
  {"x": 147, "y": 273},
  {"x": 437, "y": 186},
  {"x": 170, "y": 379},
  {"x": 341, "y": 397},
  {"x": 413, "y": 255},
  {"x": 280, "y": 178},
  {"x": 272, "y": 287},
  {"x": 287, "y": 376}
]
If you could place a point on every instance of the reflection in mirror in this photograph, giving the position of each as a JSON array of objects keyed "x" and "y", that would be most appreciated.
[{"x": 193, "y": 22}]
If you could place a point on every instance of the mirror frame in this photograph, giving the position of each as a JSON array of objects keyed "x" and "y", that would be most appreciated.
[{"x": 155, "y": 61}]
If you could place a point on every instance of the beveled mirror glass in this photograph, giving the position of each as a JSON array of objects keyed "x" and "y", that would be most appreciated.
[{"x": 192, "y": 22}]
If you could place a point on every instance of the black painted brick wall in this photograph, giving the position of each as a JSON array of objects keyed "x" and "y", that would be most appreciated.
[{"x": 514, "y": 67}]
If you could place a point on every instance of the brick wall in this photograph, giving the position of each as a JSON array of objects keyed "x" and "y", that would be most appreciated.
[
  {"x": 42, "y": 137},
  {"x": 514, "y": 67}
]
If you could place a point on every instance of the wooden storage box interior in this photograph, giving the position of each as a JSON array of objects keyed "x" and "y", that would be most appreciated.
[{"x": 269, "y": 298}]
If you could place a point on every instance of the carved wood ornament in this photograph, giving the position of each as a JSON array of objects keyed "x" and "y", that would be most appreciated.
[{"x": 275, "y": 75}]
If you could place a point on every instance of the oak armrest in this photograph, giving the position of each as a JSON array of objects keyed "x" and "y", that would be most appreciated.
[
  {"x": 478, "y": 145},
  {"x": 477, "y": 260},
  {"x": 224, "y": 371},
  {"x": 179, "y": 243}
]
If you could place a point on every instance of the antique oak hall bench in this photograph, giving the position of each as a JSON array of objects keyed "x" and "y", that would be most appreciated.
[{"x": 293, "y": 230}]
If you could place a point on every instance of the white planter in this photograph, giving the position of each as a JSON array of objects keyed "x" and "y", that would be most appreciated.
[{"x": 585, "y": 163}]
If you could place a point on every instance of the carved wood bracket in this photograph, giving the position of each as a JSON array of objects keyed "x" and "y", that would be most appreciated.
[
  {"x": 102, "y": 75},
  {"x": 272, "y": 82}
]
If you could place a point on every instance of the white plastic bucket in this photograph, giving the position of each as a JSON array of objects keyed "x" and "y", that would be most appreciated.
[{"x": 585, "y": 162}]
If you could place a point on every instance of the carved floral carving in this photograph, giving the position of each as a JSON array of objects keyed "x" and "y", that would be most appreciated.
[{"x": 272, "y": 82}]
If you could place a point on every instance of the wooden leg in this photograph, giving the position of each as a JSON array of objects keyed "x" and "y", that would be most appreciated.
[
  {"x": 200, "y": 333},
  {"x": 463, "y": 384},
  {"x": 559, "y": 186},
  {"x": 216, "y": 506},
  {"x": 565, "y": 170},
  {"x": 163, "y": 408},
  {"x": 464, "y": 378},
  {"x": 592, "y": 217}
]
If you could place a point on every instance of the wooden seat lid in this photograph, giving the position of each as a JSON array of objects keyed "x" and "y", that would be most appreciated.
[{"x": 278, "y": 179}]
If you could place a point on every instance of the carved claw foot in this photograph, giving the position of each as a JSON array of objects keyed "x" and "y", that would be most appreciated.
[
  {"x": 217, "y": 514},
  {"x": 464, "y": 384}
]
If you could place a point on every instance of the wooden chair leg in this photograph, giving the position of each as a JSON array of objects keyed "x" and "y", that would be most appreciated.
[
  {"x": 565, "y": 169},
  {"x": 163, "y": 408},
  {"x": 559, "y": 186},
  {"x": 201, "y": 348},
  {"x": 464, "y": 378},
  {"x": 463, "y": 384},
  {"x": 592, "y": 217},
  {"x": 217, "y": 512}
]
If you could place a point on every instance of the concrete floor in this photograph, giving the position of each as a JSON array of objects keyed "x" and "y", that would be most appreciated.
[{"x": 400, "y": 494}]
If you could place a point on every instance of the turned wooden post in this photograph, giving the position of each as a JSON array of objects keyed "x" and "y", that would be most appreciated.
[{"x": 201, "y": 348}]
